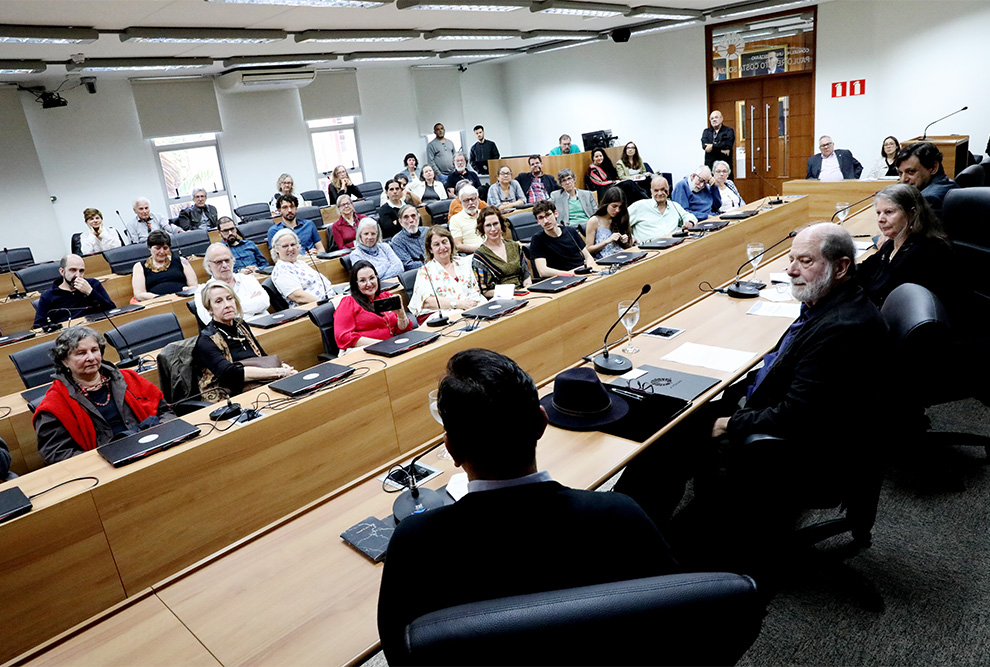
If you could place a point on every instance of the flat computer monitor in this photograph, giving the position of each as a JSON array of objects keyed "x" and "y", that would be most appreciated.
[{"x": 597, "y": 139}]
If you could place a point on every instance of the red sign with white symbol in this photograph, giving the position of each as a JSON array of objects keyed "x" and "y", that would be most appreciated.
[{"x": 849, "y": 88}]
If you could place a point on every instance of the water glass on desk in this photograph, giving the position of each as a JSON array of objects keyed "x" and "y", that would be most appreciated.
[
  {"x": 842, "y": 208},
  {"x": 754, "y": 252},
  {"x": 629, "y": 320}
]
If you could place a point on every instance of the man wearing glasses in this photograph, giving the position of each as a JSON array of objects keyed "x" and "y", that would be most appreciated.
[
  {"x": 659, "y": 216},
  {"x": 219, "y": 264},
  {"x": 247, "y": 256},
  {"x": 464, "y": 223},
  {"x": 833, "y": 164}
]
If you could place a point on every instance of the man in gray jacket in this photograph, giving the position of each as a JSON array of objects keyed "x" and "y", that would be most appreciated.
[{"x": 574, "y": 206}]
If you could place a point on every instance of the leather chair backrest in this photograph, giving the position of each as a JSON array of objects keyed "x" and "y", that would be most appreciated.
[
  {"x": 371, "y": 190},
  {"x": 913, "y": 312},
  {"x": 255, "y": 230},
  {"x": 972, "y": 176},
  {"x": 322, "y": 317},
  {"x": 278, "y": 301},
  {"x": 524, "y": 226},
  {"x": 193, "y": 242},
  {"x": 34, "y": 364},
  {"x": 253, "y": 212},
  {"x": 123, "y": 259},
  {"x": 146, "y": 334},
  {"x": 966, "y": 215},
  {"x": 345, "y": 262},
  {"x": 311, "y": 213},
  {"x": 439, "y": 211},
  {"x": 191, "y": 305},
  {"x": 315, "y": 197},
  {"x": 75, "y": 245},
  {"x": 15, "y": 258},
  {"x": 366, "y": 206},
  {"x": 408, "y": 281},
  {"x": 698, "y": 618},
  {"x": 39, "y": 277}
]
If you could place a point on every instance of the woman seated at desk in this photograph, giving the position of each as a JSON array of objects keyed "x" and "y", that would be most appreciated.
[
  {"x": 340, "y": 184},
  {"x": 427, "y": 188},
  {"x": 284, "y": 186},
  {"x": 355, "y": 322},
  {"x": 344, "y": 230},
  {"x": 90, "y": 400},
  {"x": 98, "y": 237},
  {"x": 370, "y": 248},
  {"x": 726, "y": 189},
  {"x": 506, "y": 193},
  {"x": 608, "y": 229},
  {"x": 498, "y": 260},
  {"x": 884, "y": 167},
  {"x": 228, "y": 356},
  {"x": 601, "y": 174},
  {"x": 294, "y": 278},
  {"x": 557, "y": 249},
  {"x": 451, "y": 277},
  {"x": 165, "y": 272},
  {"x": 631, "y": 164}
]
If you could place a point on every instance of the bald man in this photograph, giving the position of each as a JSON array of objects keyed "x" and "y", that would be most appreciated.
[{"x": 72, "y": 295}]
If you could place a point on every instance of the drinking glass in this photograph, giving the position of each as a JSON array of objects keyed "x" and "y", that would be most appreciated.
[
  {"x": 435, "y": 411},
  {"x": 754, "y": 251},
  {"x": 629, "y": 321},
  {"x": 842, "y": 208}
]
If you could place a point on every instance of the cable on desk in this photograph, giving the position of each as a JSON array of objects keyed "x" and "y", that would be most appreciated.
[
  {"x": 68, "y": 481},
  {"x": 7, "y": 413},
  {"x": 711, "y": 288},
  {"x": 381, "y": 361},
  {"x": 214, "y": 426}
]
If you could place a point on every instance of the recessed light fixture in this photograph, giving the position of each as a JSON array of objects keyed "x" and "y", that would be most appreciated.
[
  {"x": 30, "y": 34},
  {"x": 343, "y": 4},
  {"x": 388, "y": 56},
  {"x": 471, "y": 35},
  {"x": 475, "y": 55},
  {"x": 560, "y": 34},
  {"x": 664, "y": 13},
  {"x": 202, "y": 36},
  {"x": 767, "y": 6},
  {"x": 278, "y": 61},
  {"x": 356, "y": 35},
  {"x": 22, "y": 67},
  {"x": 589, "y": 10},
  {"x": 650, "y": 28},
  {"x": 462, "y": 5},
  {"x": 136, "y": 64},
  {"x": 557, "y": 46}
]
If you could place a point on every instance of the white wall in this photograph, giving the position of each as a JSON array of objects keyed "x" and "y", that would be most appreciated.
[
  {"x": 484, "y": 101},
  {"x": 387, "y": 126},
  {"x": 910, "y": 53}
]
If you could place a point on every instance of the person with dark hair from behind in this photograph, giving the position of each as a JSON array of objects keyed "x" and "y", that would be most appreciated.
[
  {"x": 90, "y": 400},
  {"x": 920, "y": 165},
  {"x": 516, "y": 531},
  {"x": 73, "y": 295},
  {"x": 483, "y": 151}
]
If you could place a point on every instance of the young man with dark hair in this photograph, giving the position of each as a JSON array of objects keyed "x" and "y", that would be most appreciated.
[
  {"x": 309, "y": 238},
  {"x": 483, "y": 151}
]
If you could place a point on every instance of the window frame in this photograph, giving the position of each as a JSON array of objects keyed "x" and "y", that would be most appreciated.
[
  {"x": 314, "y": 127},
  {"x": 186, "y": 198}
]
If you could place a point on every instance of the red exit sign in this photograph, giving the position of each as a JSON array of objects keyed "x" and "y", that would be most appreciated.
[{"x": 849, "y": 88}]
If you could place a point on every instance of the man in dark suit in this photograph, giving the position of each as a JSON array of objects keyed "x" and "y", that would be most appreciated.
[
  {"x": 833, "y": 164},
  {"x": 810, "y": 391},
  {"x": 536, "y": 184},
  {"x": 920, "y": 165},
  {"x": 200, "y": 215},
  {"x": 516, "y": 531},
  {"x": 718, "y": 141}
]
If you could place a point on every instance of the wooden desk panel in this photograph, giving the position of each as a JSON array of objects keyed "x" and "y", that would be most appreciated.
[
  {"x": 17, "y": 314},
  {"x": 823, "y": 195},
  {"x": 552, "y": 164}
]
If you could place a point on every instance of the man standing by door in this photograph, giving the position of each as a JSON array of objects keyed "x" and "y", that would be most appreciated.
[{"x": 718, "y": 141}]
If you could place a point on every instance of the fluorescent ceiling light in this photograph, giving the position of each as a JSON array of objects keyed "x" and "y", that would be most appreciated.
[
  {"x": 30, "y": 34},
  {"x": 387, "y": 56},
  {"x": 201, "y": 36},
  {"x": 356, "y": 35},
  {"x": 136, "y": 64},
  {"x": 22, "y": 67},
  {"x": 473, "y": 35},
  {"x": 789, "y": 21},
  {"x": 275, "y": 61},
  {"x": 767, "y": 6},
  {"x": 433, "y": 66},
  {"x": 547, "y": 48},
  {"x": 650, "y": 28},
  {"x": 589, "y": 10},
  {"x": 560, "y": 34},
  {"x": 476, "y": 54},
  {"x": 346, "y": 4},
  {"x": 664, "y": 13},
  {"x": 462, "y": 5}
]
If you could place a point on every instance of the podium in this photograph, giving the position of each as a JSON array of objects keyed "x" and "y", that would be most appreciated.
[{"x": 955, "y": 151}]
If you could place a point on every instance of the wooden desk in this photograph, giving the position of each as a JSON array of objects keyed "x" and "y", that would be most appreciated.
[
  {"x": 552, "y": 164},
  {"x": 96, "y": 265},
  {"x": 823, "y": 195}
]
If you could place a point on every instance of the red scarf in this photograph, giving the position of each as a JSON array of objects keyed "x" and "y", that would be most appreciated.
[{"x": 141, "y": 396}]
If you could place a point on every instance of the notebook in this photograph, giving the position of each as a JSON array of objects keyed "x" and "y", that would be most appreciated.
[
  {"x": 270, "y": 320},
  {"x": 686, "y": 386},
  {"x": 557, "y": 284},
  {"x": 620, "y": 258},
  {"x": 709, "y": 225},
  {"x": 16, "y": 336},
  {"x": 144, "y": 443},
  {"x": 310, "y": 379},
  {"x": 404, "y": 342},
  {"x": 495, "y": 308},
  {"x": 114, "y": 312},
  {"x": 659, "y": 244}
]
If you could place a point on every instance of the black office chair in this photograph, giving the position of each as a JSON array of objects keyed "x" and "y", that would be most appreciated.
[
  {"x": 75, "y": 244},
  {"x": 315, "y": 197},
  {"x": 367, "y": 207},
  {"x": 704, "y": 618},
  {"x": 524, "y": 226},
  {"x": 132, "y": 339},
  {"x": 322, "y": 317},
  {"x": 311, "y": 213},
  {"x": 123, "y": 259},
  {"x": 193, "y": 242},
  {"x": 371, "y": 190},
  {"x": 345, "y": 262},
  {"x": 972, "y": 176},
  {"x": 34, "y": 364},
  {"x": 15, "y": 258},
  {"x": 39, "y": 277},
  {"x": 966, "y": 218},
  {"x": 278, "y": 301},
  {"x": 255, "y": 231},
  {"x": 191, "y": 305},
  {"x": 177, "y": 377},
  {"x": 408, "y": 281},
  {"x": 438, "y": 211},
  {"x": 250, "y": 212}
]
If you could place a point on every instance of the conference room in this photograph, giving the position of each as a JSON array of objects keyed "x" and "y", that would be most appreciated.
[{"x": 263, "y": 134}]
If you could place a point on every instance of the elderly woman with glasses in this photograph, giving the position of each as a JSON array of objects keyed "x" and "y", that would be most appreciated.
[
  {"x": 344, "y": 230},
  {"x": 294, "y": 278},
  {"x": 91, "y": 401},
  {"x": 505, "y": 193},
  {"x": 726, "y": 188},
  {"x": 370, "y": 248}
]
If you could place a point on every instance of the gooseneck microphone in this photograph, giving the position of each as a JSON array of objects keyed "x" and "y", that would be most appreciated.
[
  {"x": 742, "y": 289},
  {"x": 17, "y": 293},
  {"x": 925, "y": 134},
  {"x": 328, "y": 286},
  {"x": 616, "y": 364},
  {"x": 439, "y": 319},
  {"x": 415, "y": 500},
  {"x": 773, "y": 202},
  {"x": 128, "y": 360},
  {"x": 855, "y": 203}
]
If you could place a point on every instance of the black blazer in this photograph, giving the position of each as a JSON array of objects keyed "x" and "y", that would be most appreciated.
[
  {"x": 850, "y": 166},
  {"x": 188, "y": 218},
  {"x": 523, "y": 539},
  {"x": 725, "y": 141}
]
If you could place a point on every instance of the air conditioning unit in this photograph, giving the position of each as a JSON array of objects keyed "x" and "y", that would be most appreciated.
[{"x": 251, "y": 80}]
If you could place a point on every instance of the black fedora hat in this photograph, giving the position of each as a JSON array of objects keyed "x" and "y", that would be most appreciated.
[{"x": 579, "y": 401}]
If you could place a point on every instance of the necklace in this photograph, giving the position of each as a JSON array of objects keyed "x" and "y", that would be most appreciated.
[
  {"x": 151, "y": 266},
  {"x": 90, "y": 392},
  {"x": 231, "y": 337}
]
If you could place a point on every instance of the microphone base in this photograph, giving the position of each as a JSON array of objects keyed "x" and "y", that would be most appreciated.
[
  {"x": 127, "y": 363},
  {"x": 613, "y": 364},
  {"x": 52, "y": 328},
  {"x": 405, "y": 505},
  {"x": 16, "y": 295},
  {"x": 436, "y": 321},
  {"x": 744, "y": 290},
  {"x": 775, "y": 202}
]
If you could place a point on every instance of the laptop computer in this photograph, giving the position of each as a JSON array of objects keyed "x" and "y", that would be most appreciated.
[
  {"x": 114, "y": 312},
  {"x": 16, "y": 336},
  {"x": 557, "y": 284},
  {"x": 144, "y": 443},
  {"x": 621, "y": 258},
  {"x": 269, "y": 320},
  {"x": 310, "y": 379},
  {"x": 404, "y": 342},
  {"x": 13, "y": 503},
  {"x": 739, "y": 215},
  {"x": 659, "y": 243},
  {"x": 495, "y": 308},
  {"x": 709, "y": 225}
]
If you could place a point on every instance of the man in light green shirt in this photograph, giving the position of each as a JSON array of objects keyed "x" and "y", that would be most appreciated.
[
  {"x": 653, "y": 218},
  {"x": 566, "y": 147}
]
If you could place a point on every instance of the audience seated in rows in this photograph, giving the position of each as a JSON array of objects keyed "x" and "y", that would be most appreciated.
[
  {"x": 294, "y": 277},
  {"x": 697, "y": 195},
  {"x": 451, "y": 277},
  {"x": 833, "y": 164},
  {"x": 355, "y": 322},
  {"x": 344, "y": 230},
  {"x": 464, "y": 224},
  {"x": 505, "y": 193},
  {"x": 341, "y": 184},
  {"x": 659, "y": 216},
  {"x": 429, "y": 188},
  {"x": 498, "y": 260},
  {"x": 920, "y": 165},
  {"x": 370, "y": 248},
  {"x": 536, "y": 185},
  {"x": 98, "y": 237},
  {"x": 228, "y": 358},
  {"x": 574, "y": 206},
  {"x": 90, "y": 401},
  {"x": 144, "y": 222},
  {"x": 608, "y": 229},
  {"x": 409, "y": 244},
  {"x": 247, "y": 257},
  {"x": 305, "y": 230},
  {"x": 200, "y": 215},
  {"x": 727, "y": 191},
  {"x": 252, "y": 298},
  {"x": 555, "y": 249},
  {"x": 72, "y": 295},
  {"x": 164, "y": 272}
]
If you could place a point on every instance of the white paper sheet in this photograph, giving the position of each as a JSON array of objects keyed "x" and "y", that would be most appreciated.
[
  {"x": 780, "y": 277},
  {"x": 766, "y": 309},
  {"x": 709, "y": 356},
  {"x": 772, "y": 293}
]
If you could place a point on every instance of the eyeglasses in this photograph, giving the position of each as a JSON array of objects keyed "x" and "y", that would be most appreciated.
[
  {"x": 221, "y": 262},
  {"x": 831, "y": 143}
]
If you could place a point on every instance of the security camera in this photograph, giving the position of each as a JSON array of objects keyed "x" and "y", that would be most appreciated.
[{"x": 90, "y": 83}]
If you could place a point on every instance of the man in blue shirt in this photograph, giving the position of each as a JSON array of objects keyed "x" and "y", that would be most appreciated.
[
  {"x": 247, "y": 256},
  {"x": 309, "y": 237},
  {"x": 696, "y": 195},
  {"x": 565, "y": 147}
]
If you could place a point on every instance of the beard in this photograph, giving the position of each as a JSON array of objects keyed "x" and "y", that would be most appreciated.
[{"x": 815, "y": 290}]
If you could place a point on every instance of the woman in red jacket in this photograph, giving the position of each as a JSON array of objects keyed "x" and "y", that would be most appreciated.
[
  {"x": 355, "y": 322},
  {"x": 90, "y": 401}
]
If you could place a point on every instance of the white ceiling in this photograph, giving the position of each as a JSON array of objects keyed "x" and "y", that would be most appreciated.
[{"x": 115, "y": 15}]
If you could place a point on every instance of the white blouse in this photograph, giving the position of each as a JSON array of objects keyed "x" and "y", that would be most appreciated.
[
  {"x": 291, "y": 276},
  {"x": 464, "y": 286}
]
